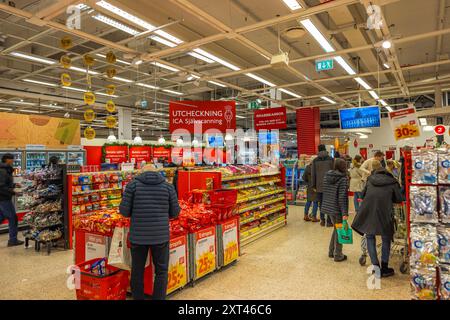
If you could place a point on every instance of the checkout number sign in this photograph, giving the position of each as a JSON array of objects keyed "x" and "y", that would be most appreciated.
[{"x": 405, "y": 124}]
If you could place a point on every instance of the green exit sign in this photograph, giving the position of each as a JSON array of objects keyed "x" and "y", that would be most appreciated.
[
  {"x": 254, "y": 105},
  {"x": 323, "y": 65}
]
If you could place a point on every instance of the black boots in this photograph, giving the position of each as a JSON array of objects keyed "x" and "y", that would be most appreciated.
[{"x": 386, "y": 271}]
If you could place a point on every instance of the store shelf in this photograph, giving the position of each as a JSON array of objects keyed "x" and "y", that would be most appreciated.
[
  {"x": 259, "y": 196},
  {"x": 93, "y": 191},
  {"x": 262, "y": 204},
  {"x": 265, "y": 214},
  {"x": 256, "y": 184},
  {"x": 262, "y": 232},
  {"x": 248, "y": 176}
]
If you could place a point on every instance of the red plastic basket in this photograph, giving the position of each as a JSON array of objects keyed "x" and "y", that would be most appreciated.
[
  {"x": 223, "y": 197},
  {"x": 112, "y": 286}
]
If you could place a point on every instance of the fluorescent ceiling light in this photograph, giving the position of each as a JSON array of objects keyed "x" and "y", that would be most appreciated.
[
  {"x": 389, "y": 109},
  {"x": 387, "y": 44},
  {"x": 118, "y": 60},
  {"x": 75, "y": 89},
  {"x": 29, "y": 111},
  {"x": 32, "y": 57},
  {"x": 52, "y": 106},
  {"x": 164, "y": 66},
  {"x": 199, "y": 56},
  {"x": 192, "y": 77},
  {"x": 116, "y": 24},
  {"x": 6, "y": 109},
  {"x": 82, "y": 70},
  {"x": 383, "y": 103},
  {"x": 345, "y": 65},
  {"x": 168, "y": 36},
  {"x": 364, "y": 136},
  {"x": 163, "y": 41},
  {"x": 82, "y": 6},
  {"x": 123, "y": 79},
  {"x": 146, "y": 85},
  {"x": 254, "y": 76},
  {"x": 217, "y": 84},
  {"x": 23, "y": 103},
  {"x": 126, "y": 15},
  {"x": 374, "y": 95},
  {"x": 173, "y": 92},
  {"x": 292, "y": 4},
  {"x": 423, "y": 121},
  {"x": 386, "y": 66},
  {"x": 328, "y": 100},
  {"x": 106, "y": 95},
  {"x": 307, "y": 23},
  {"x": 40, "y": 82},
  {"x": 363, "y": 83},
  {"x": 291, "y": 93},
  {"x": 240, "y": 117},
  {"x": 217, "y": 59},
  {"x": 156, "y": 113}
]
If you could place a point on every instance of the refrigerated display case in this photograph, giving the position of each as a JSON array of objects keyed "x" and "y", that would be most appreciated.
[
  {"x": 76, "y": 157},
  {"x": 35, "y": 159},
  {"x": 62, "y": 155},
  {"x": 18, "y": 159}
]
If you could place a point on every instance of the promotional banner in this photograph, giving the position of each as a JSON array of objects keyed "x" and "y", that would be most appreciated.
[
  {"x": 140, "y": 153},
  {"x": 272, "y": 118},
  {"x": 230, "y": 241},
  {"x": 219, "y": 115},
  {"x": 355, "y": 118},
  {"x": 116, "y": 154},
  {"x": 18, "y": 130},
  {"x": 178, "y": 267},
  {"x": 405, "y": 124},
  {"x": 308, "y": 130},
  {"x": 205, "y": 251},
  {"x": 161, "y": 153}
]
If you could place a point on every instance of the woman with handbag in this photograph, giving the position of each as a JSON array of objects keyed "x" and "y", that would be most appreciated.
[
  {"x": 375, "y": 217},
  {"x": 335, "y": 204}
]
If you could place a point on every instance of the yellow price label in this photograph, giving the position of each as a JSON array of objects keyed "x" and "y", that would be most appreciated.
[
  {"x": 89, "y": 115},
  {"x": 89, "y": 133},
  {"x": 406, "y": 131},
  {"x": 89, "y": 98}
]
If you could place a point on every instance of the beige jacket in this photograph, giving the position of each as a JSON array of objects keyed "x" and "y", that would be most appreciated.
[
  {"x": 356, "y": 179},
  {"x": 366, "y": 168}
]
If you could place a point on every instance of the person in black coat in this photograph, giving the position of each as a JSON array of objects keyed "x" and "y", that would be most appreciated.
[
  {"x": 150, "y": 202},
  {"x": 335, "y": 204},
  {"x": 311, "y": 197},
  {"x": 375, "y": 217},
  {"x": 7, "y": 209}
]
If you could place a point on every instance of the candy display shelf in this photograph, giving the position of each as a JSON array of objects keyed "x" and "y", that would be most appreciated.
[{"x": 261, "y": 195}]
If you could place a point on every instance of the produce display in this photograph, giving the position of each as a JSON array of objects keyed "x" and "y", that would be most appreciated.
[{"x": 430, "y": 232}]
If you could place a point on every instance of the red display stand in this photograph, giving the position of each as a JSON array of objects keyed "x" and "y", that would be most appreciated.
[{"x": 308, "y": 130}]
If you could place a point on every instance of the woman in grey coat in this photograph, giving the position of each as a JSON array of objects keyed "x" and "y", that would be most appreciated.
[
  {"x": 375, "y": 216},
  {"x": 311, "y": 197}
]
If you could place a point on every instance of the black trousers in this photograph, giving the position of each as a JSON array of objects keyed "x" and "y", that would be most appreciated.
[{"x": 160, "y": 258}]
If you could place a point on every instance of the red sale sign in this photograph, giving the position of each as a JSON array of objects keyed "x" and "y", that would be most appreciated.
[
  {"x": 219, "y": 115},
  {"x": 272, "y": 118},
  {"x": 116, "y": 154},
  {"x": 140, "y": 153},
  {"x": 161, "y": 152}
]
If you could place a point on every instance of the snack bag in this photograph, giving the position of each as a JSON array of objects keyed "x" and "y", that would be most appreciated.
[
  {"x": 444, "y": 196},
  {"x": 425, "y": 167},
  {"x": 444, "y": 289},
  {"x": 423, "y": 204},
  {"x": 444, "y": 244},
  {"x": 423, "y": 284},
  {"x": 424, "y": 246},
  {"x": 444, "y": 168}
]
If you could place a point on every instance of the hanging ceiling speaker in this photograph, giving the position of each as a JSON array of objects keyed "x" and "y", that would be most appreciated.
[{"x": 294, "y": 32}]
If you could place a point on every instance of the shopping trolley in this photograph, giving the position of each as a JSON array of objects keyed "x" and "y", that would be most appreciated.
[{"x": 400, "y": 244}]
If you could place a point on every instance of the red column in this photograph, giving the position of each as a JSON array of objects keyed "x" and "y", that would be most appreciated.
[{"x": 308, "y": 130}]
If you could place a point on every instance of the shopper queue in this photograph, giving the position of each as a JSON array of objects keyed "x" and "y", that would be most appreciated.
[{"x": 375, "y": 184}]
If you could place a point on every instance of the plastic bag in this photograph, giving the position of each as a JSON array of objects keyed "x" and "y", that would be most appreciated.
[
  {"x": 119, "y": 252},
  {"x": 444, "y": 244},
  {"x": 444, "y": 195},
  {"x": 424, "y": 246},
  {"x": 425, "y": 167},
  {"x": 445, "y": 283},
  {"x": 423, "y": 284},
  {"x": 345, "y": 233},
  {"x": 444, "y": 168}
]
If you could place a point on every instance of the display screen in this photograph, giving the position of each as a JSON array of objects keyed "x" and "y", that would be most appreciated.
[
  {"x": 355, "y": 118},
  {"x": 268, "y": 137},
  {"x": 215, "y": 141}
]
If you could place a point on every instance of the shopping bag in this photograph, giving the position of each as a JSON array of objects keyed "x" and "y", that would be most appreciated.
[
  {"x": 345, "y": 233},
  {"x": 119, "y": 252}
]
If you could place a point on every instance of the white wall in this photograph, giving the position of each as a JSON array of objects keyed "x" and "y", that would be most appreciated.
[{"x": 382, "y": 138}]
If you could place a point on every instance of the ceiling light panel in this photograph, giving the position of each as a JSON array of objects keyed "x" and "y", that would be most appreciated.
[
  {"x": 82, "y": 70},
  {"x": 116, "y": 24},
  {"x": 374, "y": 95},
  {"x": 292, "y": 4},
  {"x": 257, "y": 78},
  {"x": 146, "y": 85},
  {"x": 307, "y": 23},
  {"x": 328, "y": 100},
  {"x": 217, "y": 59},
  {"x": 345, "y": 65},
  {"x": 32, "y": 57},
  {"x": 40, "y": 82},
  {"x": 291, "y": 93},
  {"x": 164, "y": 66},
  {"x": 363, "y": 83},
  {"x": 125, "y": 15},
  {"x": 200, "y": 57},
  {"x": 163, "y": 41},
  {"x": 173, "y": 92}
]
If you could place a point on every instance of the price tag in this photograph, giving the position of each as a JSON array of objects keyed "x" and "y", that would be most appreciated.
[{"x": 405, "y": 124}]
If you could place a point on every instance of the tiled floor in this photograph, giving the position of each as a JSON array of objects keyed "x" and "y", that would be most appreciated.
[{"x": 291, "y": 263}]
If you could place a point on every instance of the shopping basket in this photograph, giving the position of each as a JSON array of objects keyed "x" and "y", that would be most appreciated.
[{"x": 110, "y": 286}]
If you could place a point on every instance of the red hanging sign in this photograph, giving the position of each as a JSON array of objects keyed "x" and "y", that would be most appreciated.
[
  {"x": 116, "y": 154},
  {"x": 272, "y": 118},
  {"x": 140, "y": 153},
  {"x": 161, "y": 152},
  {"x": 439, "y": 130},
  {"x": 219, "y": 115}
]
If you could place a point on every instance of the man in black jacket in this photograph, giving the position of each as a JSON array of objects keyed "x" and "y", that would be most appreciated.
[
  {"x": 319, "y": 168},
  {"x": 150, "y": 202},
  {"x": 7, "y": 210}
]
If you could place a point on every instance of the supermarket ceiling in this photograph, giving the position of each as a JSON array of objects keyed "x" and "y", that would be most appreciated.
[{"x": 202, "y": 49}]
